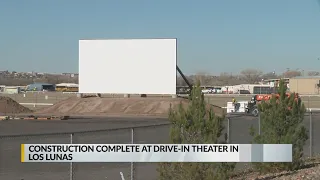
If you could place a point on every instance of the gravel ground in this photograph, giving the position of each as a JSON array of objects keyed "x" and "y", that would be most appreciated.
[{"x": 311, "y": 171}]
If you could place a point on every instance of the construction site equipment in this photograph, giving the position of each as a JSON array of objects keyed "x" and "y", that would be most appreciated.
[
  {"x": 186, "y": 80},
  {"x": 238, "y": 107},
  {"x": 252, "y": 107}
]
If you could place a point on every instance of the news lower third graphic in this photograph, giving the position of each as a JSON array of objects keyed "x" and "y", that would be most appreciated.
[{"x": 156, "y": 153}]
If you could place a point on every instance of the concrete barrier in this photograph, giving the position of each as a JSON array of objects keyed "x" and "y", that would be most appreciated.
[
  {"x": 37, "y": 104},
  {"x": 308, "y": 109},
  {"x": 4, "y": 118},
  {"x": 245, "y": 95},
  {"x": 218, "y": 95}
]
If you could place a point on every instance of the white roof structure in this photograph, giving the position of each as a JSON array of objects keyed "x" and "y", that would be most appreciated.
[{"x": 67, "y": 85}]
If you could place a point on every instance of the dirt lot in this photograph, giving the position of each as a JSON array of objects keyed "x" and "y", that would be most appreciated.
[
  {"x": 154, "y": 106},
  {"x": 145, "y": 106},
  {"x": 54, "y": 97},
  {"x": 149, "y": 106},
  {"x": 311, "y": 170},
  {"x": 8, "y": 105}
]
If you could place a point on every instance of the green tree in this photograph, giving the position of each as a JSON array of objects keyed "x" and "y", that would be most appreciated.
[
  {"x": 281, "y": 121},
  {"x": 196, "y": 124}
]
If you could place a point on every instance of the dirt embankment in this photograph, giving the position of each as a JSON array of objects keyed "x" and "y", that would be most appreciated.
[
  {"x": 9, "y": 106},
  {"x": 116, "y": 106}
]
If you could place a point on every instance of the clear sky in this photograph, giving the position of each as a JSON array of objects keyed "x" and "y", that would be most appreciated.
[{"x": 213, "y": 35}]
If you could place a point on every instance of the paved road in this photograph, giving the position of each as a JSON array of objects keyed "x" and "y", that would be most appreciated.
[
  {"x": 16, "y": 127},
  {"x": 11, "y": 168}
]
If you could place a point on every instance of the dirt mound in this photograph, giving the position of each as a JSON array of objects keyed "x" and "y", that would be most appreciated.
[
  {"x": 9, "y": 106},
  {"x": 116, "y": 106}
]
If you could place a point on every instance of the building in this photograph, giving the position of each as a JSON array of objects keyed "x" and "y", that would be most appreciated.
[
  {"x": 275, "y": 82},
  {"x": 67, "y": 87},
  {"x": 40, "y": 87},
  {"x": 248, "y": 89},
  {"x": 12, "y": 90},
  {"x": 305, "y": 84},
  {"x": 2, "y": 88}
]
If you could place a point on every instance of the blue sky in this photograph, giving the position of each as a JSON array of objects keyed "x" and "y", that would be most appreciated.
[{"x": 213, "y": 36}]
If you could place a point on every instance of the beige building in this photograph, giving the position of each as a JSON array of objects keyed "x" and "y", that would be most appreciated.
[
  {"x": 305, "y": 85},
  {"x": 12, "y": 90}
]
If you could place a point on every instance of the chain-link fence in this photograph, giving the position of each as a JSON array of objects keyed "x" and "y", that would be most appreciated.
[
  {"x": 12, "y": 168},
  {"x": 237, "y": 128}
]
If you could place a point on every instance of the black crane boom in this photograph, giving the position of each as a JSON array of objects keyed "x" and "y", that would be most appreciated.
[{"x": 184, "y": 78}]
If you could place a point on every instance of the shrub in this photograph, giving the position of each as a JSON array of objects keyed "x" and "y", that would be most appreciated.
[
  {"x": 281, "y": 123},
  {"x": 195, "y": 125}
]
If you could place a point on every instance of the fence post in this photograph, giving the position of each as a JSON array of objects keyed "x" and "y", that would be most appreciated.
[
  {"x": 259, "y": 123},
  {"x": 71, "y": 164},
  {"x": 311, "y": 137},
  {"x": 15, "y": 99},
  {"x": 5, "y": 109},
  {"x": 132, "y": 165},
  {"x": 228, "y": 131},
  {"x": 35, "y": 104}
]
